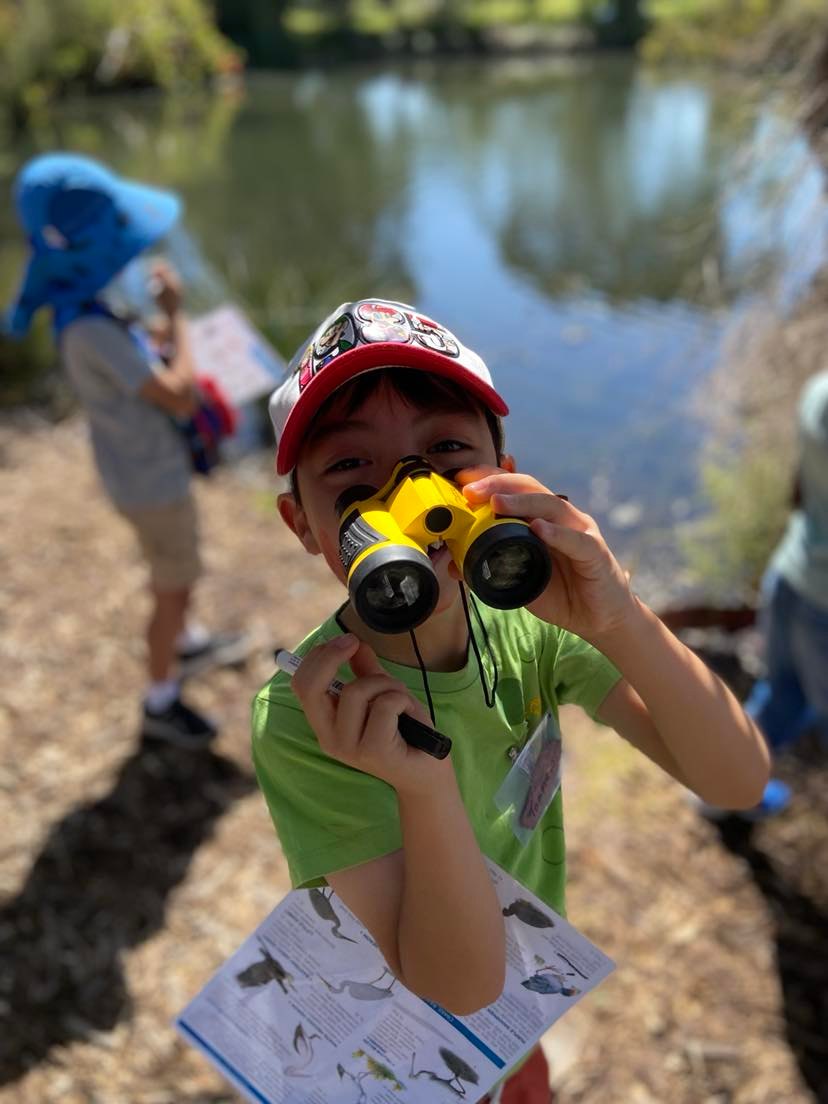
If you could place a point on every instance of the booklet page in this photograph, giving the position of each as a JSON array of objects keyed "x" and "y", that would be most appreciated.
[{"x": 307, "y": 1012}]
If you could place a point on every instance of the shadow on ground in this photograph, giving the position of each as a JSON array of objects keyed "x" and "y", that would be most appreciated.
[
  {"x": 791, "y": 857},
  {"x": 99, "y": 887},
  {"x": 800, "y": 920}
]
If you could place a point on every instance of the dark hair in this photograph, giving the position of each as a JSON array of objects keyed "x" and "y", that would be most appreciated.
[{"x": 422, "y": 390}]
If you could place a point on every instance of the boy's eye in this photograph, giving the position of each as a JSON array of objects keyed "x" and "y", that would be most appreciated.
[
  {"x": 347, "y": 464},
  {"x": 449, "y": 445}
]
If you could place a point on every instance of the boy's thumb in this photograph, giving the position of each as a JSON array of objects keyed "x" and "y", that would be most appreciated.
[{"x": 364, "y": 661}]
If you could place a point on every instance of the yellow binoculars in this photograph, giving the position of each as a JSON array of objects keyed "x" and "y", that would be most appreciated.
[{"x": 385, "y": 535}]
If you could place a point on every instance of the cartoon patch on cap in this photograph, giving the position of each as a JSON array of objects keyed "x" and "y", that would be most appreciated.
[
  {"x": 385, "y": 331},
  {"x": 337, "y": 338},
  {"x": 433, "y": 336},
  {"x": 373, "y": 321},
  {"x": 305, "y": 368},
  {"x": 382, "y": 322},
  {"x": 380, "y": 312}
]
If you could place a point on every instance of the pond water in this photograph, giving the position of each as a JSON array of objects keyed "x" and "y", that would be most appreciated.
[{"x": 590, "y": 227}]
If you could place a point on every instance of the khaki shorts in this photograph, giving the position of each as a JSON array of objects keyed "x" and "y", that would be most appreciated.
[{"x": 168, "y": 536}]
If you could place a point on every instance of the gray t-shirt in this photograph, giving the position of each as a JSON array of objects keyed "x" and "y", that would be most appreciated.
[
  {"x": 802, "y": 555},
  {"x": 142, "y": 457}
]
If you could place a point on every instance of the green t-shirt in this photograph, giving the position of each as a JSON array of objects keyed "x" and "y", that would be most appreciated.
[{"x": 330, "y": 816}]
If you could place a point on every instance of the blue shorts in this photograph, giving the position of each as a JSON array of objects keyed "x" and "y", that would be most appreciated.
[{"x": 794, "y": 694}]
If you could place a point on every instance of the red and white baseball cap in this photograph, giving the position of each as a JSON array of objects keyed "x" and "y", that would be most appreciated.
[{"x": 359, "y": 337}]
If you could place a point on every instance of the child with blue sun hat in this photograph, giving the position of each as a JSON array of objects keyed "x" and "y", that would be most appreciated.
[{"x": 84, "y": 225}]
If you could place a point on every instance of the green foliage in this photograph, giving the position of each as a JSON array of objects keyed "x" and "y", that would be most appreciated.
[
  {"x": 702, "y": 30},
  {"x": 27, "y": 369},
  {"x": 383, "y": 16},
  {"x": 47, "y": 46},
  {"x": 749, "y": 492}
]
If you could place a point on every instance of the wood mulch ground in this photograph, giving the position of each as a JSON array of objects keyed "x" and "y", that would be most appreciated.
[{"x": 128, "y": 873}]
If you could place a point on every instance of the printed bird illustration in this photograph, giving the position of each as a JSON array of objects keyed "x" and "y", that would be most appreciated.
[
  {"x": 549, "y": 981},
  {"x": 303, "y": 1045},
  {"x": 325, "y": 911},
  {"x": 569, "y": 962},
  {"x": 343, "y": 1073},
  {"x": 266, "y": 969},
  {"x": 363, "y": 990},
  {"x": 529, "y": 914},
  {"x": 460, "y": 1071}
]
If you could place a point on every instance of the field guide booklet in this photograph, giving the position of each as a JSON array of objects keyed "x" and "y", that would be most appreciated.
[
  {"x": 228, "y": 347},
  {"x": 306, "y": 1012}
]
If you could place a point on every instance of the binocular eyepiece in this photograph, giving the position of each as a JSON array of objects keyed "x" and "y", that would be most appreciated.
[{"x": 385, "y": 535}]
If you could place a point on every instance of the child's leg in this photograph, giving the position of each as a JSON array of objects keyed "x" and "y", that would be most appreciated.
[
  {"x": 165, "y": 626},
  {"x": 168, "y": 535},
  {"x": 810, "y": 648},
  {"x": 169, "y": 540},
  {"x": 778, "y": 703},
  {"x": 530, "y": 1085}
]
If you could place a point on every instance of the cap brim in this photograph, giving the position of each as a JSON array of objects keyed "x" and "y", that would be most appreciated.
[
  {"x": 365, "y": 358},
  {"x": 151, "y": 212},
  {"x": 30, "y": 296}
]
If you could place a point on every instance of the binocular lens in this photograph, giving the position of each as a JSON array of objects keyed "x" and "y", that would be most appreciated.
[
  {"x": 507, "y": 566},
  {"x": 397, "y": 594},
  {"x": 392, "y": 588}
]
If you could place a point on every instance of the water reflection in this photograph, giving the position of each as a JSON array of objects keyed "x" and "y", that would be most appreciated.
[{"x": 589, "y": 227}]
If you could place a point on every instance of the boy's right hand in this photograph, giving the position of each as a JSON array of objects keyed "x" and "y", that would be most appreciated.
[
  {"x": 360, "y": 727},
  {"x": 165, "y": 288}
]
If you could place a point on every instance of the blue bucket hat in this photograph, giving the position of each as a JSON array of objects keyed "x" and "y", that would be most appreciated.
[{"x": 84, "y": 225}]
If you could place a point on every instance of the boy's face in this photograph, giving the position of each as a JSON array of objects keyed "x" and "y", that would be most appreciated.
[{"x": 362, "y": 448}]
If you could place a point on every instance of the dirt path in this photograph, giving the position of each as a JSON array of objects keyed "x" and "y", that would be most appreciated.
[{"x": 128, "y": 875}]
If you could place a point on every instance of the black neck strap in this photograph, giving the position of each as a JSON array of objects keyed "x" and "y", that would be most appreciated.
[{"x": 488, "y": 692}]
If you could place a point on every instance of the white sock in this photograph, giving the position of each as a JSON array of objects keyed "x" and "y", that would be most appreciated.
[
  {"x": 192, "y": 636},
  {"x": 161, "y": 695}
]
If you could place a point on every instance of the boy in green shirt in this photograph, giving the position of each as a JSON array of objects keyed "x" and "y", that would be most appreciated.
[{"x": 397, "y": 834}]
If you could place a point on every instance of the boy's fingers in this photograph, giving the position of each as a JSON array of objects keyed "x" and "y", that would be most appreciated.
[
  {"x": 320, "y": 665},
  {"x": 355, "y": 701},
  {"x": 364, "y": 663},
  {"x": 497, "y": 481},
  {"x": 473, "y": 475},
  {"x": 576, "y": 545},
  {"x": 320, "y": 712},
  {"x": 542, "y": 505},
  {"x": 164, "y": 270},
  {"x": 383, "y": 715},
  {"x": 418, "y": 711}
]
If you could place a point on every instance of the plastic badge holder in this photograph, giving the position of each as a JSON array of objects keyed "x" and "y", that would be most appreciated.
[{"x": 535, "y": 777}]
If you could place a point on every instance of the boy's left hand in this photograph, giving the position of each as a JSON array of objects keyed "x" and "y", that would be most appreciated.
[{"x": 589, "y": 593}]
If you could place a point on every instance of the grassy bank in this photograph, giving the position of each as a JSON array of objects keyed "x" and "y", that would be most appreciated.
[{"x": 750, "y": 466}]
